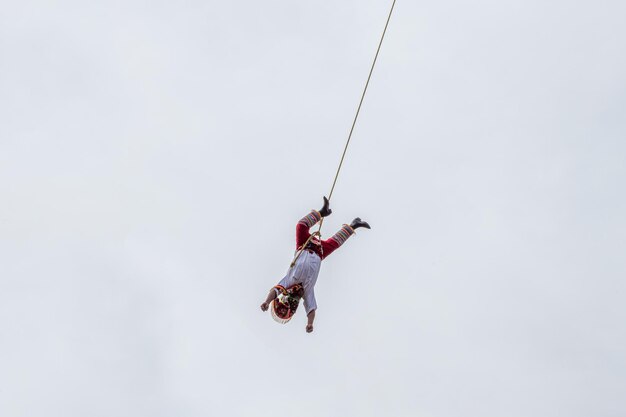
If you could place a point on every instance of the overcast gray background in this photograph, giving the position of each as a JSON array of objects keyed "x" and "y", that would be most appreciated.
[{"x": 155, "y": 157}]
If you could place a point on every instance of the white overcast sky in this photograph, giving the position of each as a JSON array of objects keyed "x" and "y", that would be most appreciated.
[{"x": 155, "y": 157}]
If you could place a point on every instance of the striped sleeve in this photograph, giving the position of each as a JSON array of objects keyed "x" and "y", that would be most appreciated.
[
  {"x": 310, "y": 219},
  {"x": 343, "y": 234}
]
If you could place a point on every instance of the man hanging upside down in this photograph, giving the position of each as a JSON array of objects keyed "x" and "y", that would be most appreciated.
[{"x": 302, "y": 276}]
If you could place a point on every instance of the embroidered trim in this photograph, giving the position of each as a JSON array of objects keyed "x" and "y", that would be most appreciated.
[
  {"x": 310, "y": 219},
  {"x": 343, "y": 234}
]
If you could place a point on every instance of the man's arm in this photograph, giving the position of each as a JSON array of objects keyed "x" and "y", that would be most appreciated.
[
  {"x": 310, "y": 318},
  {"x": 270, "y": 297}
]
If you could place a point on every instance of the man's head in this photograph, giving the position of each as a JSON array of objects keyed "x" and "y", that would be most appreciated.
[
  {"x": 285, "y": 305},
  {"x": 281, "y": 310}
]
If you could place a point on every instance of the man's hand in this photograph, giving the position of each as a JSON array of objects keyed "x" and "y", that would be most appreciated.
[
  {"x": 270, "y": 297},
  {"x": 310, "y": 319}
]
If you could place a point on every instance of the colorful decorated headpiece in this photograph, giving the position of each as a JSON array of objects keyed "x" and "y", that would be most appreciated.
[{"x": 285, "y": 305}]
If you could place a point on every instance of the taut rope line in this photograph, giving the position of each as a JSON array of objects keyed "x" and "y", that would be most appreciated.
[
  {"x": 345, "y": 149},
  {"x": 358, "y": 110}
]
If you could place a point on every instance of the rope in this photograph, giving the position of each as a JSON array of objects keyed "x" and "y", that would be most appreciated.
[
  {"x": 358, "y": 110},
  {"x": 304, "y": 246},
  {"x": 345, "y": 149}
]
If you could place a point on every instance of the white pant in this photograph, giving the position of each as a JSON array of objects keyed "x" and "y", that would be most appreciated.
[{"x": 304, "y": 272}]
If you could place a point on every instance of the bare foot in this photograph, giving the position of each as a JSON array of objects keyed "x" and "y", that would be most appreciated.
[
  {"x": 264, "y": 306},
  {"x": 309, "y": 328}
]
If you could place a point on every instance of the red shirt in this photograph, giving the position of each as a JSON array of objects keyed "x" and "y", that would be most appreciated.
[{"x": 323, "y": 248}]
